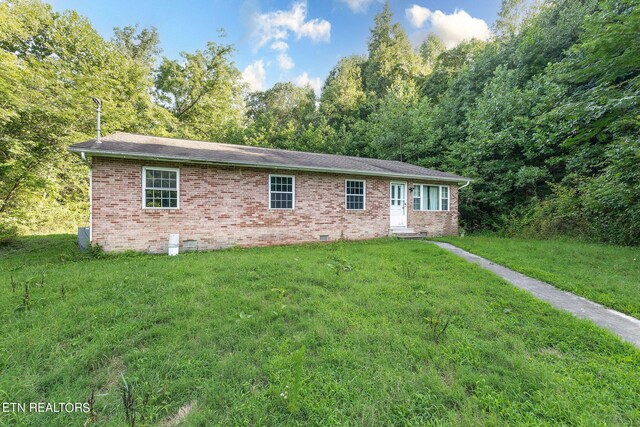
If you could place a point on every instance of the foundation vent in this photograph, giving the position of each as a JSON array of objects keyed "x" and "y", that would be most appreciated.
[
  {"x": 324, "y": 237},
  {"x": 190, "y": 245}
]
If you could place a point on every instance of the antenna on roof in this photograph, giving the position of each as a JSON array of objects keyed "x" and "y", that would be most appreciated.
[{"x": 98, "y": 110}]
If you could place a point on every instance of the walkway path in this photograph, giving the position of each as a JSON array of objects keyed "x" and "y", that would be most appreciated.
[{"x": 626, "y": 327}]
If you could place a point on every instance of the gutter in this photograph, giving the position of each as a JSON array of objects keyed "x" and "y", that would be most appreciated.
[
  {"x": 83, "y": 157},
  {"x": 116, "y": 154}
]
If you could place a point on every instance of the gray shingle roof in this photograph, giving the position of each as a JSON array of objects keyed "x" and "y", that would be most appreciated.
[{"x": 127, "y": 145}]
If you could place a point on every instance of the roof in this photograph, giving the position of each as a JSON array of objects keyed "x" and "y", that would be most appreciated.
[{"x": 128, "y": 145}]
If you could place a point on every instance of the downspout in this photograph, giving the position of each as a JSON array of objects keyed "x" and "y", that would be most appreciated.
[
  {"x": 83, "y": 157},
  {"x": 460, "y": 188}
]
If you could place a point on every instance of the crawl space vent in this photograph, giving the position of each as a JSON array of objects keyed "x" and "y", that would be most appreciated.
[
  {"x": 190, "y": 245},
  {"x": 324, "y": 237}
]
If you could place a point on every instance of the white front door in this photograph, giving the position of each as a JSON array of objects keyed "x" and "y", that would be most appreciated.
[{"x": 398, "y": 204}]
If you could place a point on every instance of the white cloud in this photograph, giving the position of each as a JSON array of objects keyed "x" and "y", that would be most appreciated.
[
  {"x": 285, "y": 62},
  {"x": 255, "y": 76},
  {"x": 303, "y": 80},
  {"x": 417, "y": 15},
  {"x": 453, "y": 28},
  {"x": 280, "y": 24},
  {"x": 358, "y": 6},
  {"x": 280, "y": 46}
]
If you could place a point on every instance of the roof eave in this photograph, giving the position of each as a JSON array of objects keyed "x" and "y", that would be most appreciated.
[{"x": 118, "y": 154}]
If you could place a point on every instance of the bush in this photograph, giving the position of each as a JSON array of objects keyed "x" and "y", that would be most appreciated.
[
  {"x": 603, "y": 209},
  {"x": 8, "y": 230}
]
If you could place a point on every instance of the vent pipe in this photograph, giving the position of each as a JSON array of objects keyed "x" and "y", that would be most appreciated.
[{"x": 98, "y": 110}]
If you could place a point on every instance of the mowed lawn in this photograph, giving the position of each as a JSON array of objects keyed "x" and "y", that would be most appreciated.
[
  {"x": 322, "y": 334},
  {"x": 606, "y": 274}
]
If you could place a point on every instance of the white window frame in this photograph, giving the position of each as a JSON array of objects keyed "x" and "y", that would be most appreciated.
[
  {"x": 293, "y": 192},
  {"x": 441, "y": 198},
  {"x": 422, "y": 196},
  {"x": 144, "y": 187},
  {"x": 364, "y": 194}
]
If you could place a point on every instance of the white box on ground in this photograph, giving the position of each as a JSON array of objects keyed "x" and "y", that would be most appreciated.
[{"x": 174, "y": 244}]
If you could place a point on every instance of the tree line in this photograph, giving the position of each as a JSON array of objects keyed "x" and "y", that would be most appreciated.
[{"x": 544, "y": 116}]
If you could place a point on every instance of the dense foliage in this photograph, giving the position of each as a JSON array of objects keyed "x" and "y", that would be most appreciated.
[{"x": 544, "y": 117}]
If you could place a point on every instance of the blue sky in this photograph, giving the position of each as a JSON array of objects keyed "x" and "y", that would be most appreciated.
[{"x": 280, "y": 40}]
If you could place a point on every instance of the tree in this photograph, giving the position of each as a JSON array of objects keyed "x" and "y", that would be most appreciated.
[
  {"x": 55, "y": 62},
  {"x": 284, "y": 116},
  {"x": 142, "y": 46},
  {"x": 343, "y": 96},
  {"x": 203, "y": 92},
  {"x": 392, "y": 63},
  {"x": 431, "y": 48}
]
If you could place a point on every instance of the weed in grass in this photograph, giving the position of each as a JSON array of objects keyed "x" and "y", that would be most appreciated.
[
  {"x": 293, "y": 394},
  {"x": 62, "y": 290},
  {"x": 437, "y": 325},
  {"x": 25, "y": 303},
  {"x": 96, "y": 251},
  {"x": 408, "y": 269},
  {"x": 281, "y": 292},
  {"x": 13, "y": 284},
  {"x": 244, "y": 315},
  {"x": 129, "y": 402},
  {"x": 91, "y": 401}
]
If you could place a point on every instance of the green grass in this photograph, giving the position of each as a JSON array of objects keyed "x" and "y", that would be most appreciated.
[
  {"x": 343, "y": 331},
  {"x": 606, "y": 274}
]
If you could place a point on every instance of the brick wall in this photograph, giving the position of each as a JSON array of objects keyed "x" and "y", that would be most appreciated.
[{"x": 226, "y": 206}]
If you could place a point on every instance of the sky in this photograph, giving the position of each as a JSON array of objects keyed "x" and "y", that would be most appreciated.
[{"x": 284, "y": 40}]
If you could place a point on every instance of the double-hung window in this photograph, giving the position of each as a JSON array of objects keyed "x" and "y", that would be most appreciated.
[
  {"x": 160, "y": 188},
  {"x": 281, "y": 192},
  {"x": 430, "y": 197},
  {"x": 355, "y": 191}
]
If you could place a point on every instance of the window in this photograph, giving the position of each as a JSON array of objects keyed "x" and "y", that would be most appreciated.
[
  {"x": 430, "y": 198},
  {"x": 444, "y": 198},
  {"x": 160, "y": 188},
  {"x": 281, "y": 192},
  {"x": 417, "y": 197},
  {"x": 354, "y": 195}
]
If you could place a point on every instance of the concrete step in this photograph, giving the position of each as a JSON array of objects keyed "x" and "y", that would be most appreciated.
[
  {"x": 409, "y": 236},
  {"x": 406, "y": 233}
]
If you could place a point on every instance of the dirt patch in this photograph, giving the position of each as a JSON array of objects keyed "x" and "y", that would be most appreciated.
[
  {"x": 115, "y": 370},
  {"x": 177, "y": 418}
]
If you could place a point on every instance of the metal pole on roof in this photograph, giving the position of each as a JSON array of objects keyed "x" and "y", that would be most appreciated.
[{"x": 98, "y": 110}]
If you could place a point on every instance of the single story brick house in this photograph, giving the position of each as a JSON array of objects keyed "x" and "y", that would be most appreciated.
[{"x": 144, "y": 188}]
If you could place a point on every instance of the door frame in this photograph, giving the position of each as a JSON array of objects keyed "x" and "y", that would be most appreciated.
[{"x": 406, "y": 203}]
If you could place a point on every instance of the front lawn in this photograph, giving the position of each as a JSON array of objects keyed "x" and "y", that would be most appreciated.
[
  {"x": 606, "y": 274},
  {"x": 322, "y": 334}
]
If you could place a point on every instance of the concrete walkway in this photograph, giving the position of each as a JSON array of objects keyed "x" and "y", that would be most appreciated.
[{"x": 626, "y": 327}]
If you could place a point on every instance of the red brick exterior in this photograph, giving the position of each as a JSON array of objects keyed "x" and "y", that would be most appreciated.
[{"x": 225, "y": 206}]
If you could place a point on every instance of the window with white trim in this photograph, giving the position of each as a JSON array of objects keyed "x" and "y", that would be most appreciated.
[
  {"x": 355, "y": 194},
  {"x": 281, "y": 192},
  {"x": 160, "y": 188},
  {"x": 430, "y": 197}
]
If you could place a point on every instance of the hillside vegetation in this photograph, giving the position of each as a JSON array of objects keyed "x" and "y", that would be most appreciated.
[{"x": 544, "y": 116}]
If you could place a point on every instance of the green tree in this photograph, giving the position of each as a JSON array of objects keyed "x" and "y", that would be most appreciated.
[
  {"x": 142, "y": 46},
  {"x": 431, "y": 48},
  {"x": 52, "y": 63},
  {"x": 392, "y": 64},
  {"x": 203, "y": 92}
]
